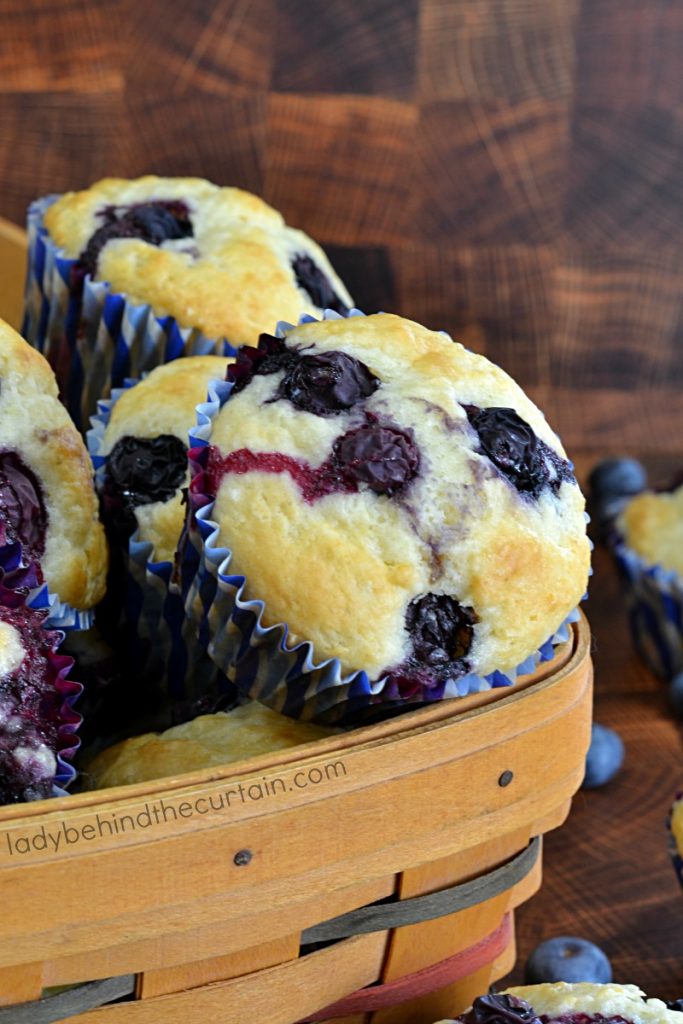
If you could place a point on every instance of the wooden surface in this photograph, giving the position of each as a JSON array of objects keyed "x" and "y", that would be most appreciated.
[
  {"x": 606, "y": 872},
  {"x": 509, "y": 170}
]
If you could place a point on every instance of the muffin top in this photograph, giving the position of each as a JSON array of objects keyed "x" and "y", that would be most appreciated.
[
  {"x": 562, "y": 1003},
  {"x": 652, "y": 525},
  {"x": 218, "y": 259},
  {"x": 146, "y": 444},
  {"x": 47, "y": 498},
  {"x": 677, "y": 824},
  {"x": 396, "y": 500},
  {"x": 205, "y": 742}
]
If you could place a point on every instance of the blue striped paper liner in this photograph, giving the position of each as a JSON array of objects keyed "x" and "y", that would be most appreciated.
[
  {"x": 260, "y": 659},
  {"x": 654, "y": 598},
  {"x": 158, "y": 628},
  {"x": 95, "y": 340}
]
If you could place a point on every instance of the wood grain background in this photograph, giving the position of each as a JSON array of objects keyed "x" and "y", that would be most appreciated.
[{"x": 509, "y": 170}]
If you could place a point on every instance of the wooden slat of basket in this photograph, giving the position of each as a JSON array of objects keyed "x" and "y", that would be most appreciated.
[
  {"x": 284, "y": 835},
  {"x": 221, "y": 968},
  {"x": 212, "y": 940},
  {"x": 13, "y": 256},
  {"x": 377, "y": 851},
  {"x": 279, "y": 995},
  {"x": 20, "y": 984},
  {"x": 572, "y": 653}
]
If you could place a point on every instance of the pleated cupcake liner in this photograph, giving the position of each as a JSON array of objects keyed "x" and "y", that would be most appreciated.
[
  {"x": 18, "y": 587},
  {"x": 262, "y": 660},
  {"x": 654, "y": 598},
  {"x": 160, "y": 642},
  {"x": 92, "y": 336},
  {"x": 675, "y": 852}
]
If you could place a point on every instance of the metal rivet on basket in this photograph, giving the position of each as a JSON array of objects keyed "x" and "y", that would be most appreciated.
[
  {"x": 506, "y": 778},
  {"x": 242, "y": 858}
]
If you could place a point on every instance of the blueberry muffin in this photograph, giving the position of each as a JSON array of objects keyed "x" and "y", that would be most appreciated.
[
  {"x": 647, "y": 541},
  {"x": 394, "y": 500},
  {"x": 127, "y": 275},
  {"x": 206, "y": 742},
  {"x": 47, "y": 498},
  {"x": 144, "y": 451},
  {"x": 561, "y": 1003},
  {"x": 219, "y": 259},
  {"x": 37, "y": 721},
  {"x": 651, "y": 524}
]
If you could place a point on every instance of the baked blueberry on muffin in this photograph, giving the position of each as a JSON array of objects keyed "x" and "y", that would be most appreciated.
[
  {"x": 37, "y": 722},
  {"x": 561, "y": 1003},
  {"x": 393, "y": 499},
  {"x": 143, "y": 452},
  {"x": 139, "y": 444},
  {"x": 47, "y": 498},
  {"x": 126, "y": 275}
]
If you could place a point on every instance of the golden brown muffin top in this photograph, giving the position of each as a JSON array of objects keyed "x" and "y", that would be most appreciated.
[
  {"x": 652, "y": 524},
  {"x": 35, "y": 425},
  {"x": 232, "y": 278},
  {"x": 344, "y": 570}
]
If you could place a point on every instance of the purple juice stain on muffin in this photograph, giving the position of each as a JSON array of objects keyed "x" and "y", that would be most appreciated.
[
  {"x": 324, "y": 384},
  {"x": 317, "y": 285},
  {"x": 583, "y": 1018},
  {"x": 153, "y": 222},
  {"x": 509, "y": 1009},
  {"x": 514, "y": 449},
  {"x": 383, "y": 457},
  {"x": 23, "y": 516},
  {"x": 140, "y": 471},
  {"x": 379, "y": 456}
]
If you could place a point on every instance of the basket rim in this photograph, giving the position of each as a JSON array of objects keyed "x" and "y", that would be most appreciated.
[{"x": 422, "y": 720}]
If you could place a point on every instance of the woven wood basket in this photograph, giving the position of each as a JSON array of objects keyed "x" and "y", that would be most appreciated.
[{"x": 368, "y": 878}]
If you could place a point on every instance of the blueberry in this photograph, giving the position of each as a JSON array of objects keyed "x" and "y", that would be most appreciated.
[
  {"x": 515, "y": 450},
  {"x": 615, "y": 478},
  {"x": 500, "y": 1009},
  {"x": 605, "y": 756},
  {"x": 328, "y": 383},
  {"x": 269, "y": 356},
  {"x": 140, "y": 471},
  {"x": 675, "y": 1004},
  {"x": 441, "y": 630},
  {"x": 676, "y": 695},
  {"x": 312, "y": 280},
  {"x": 567, "y": 958},
  {"x": 154, "y": 222},
  {"x": 384, "y": 458}
]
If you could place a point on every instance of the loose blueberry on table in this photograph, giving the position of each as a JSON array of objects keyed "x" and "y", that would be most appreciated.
[
  {"x": 605, "y": 756},
  {"x": 567, "y": 958}
]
